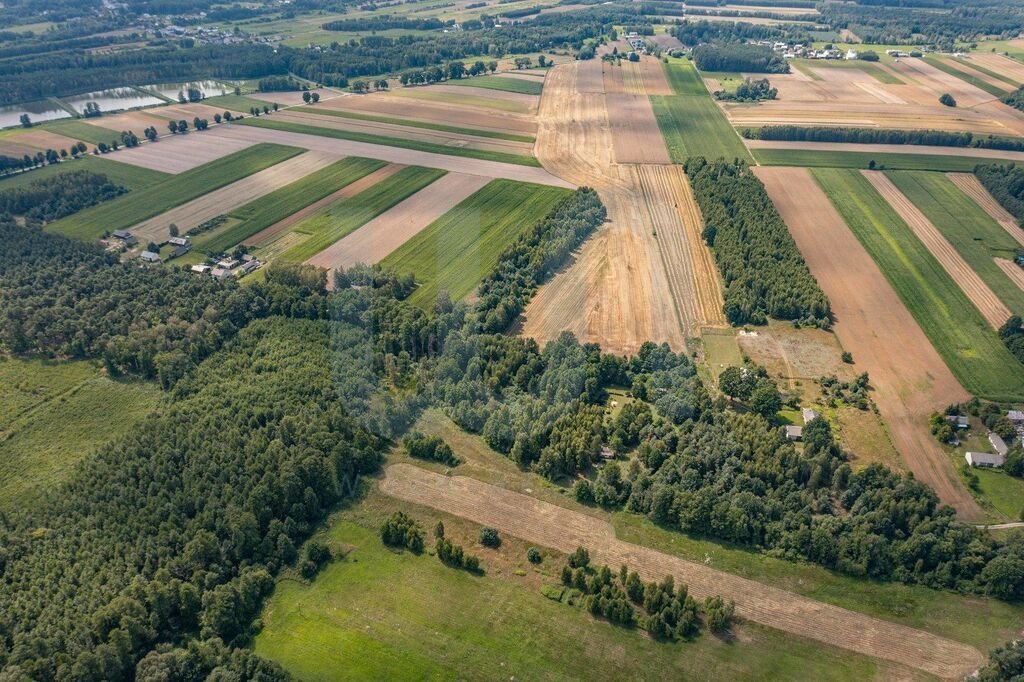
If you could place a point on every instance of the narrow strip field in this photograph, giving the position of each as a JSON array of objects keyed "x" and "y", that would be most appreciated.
[
  {"x": 977, "y": 238},
  {"x": 520, "y": 85},
  {"x": 411, "y": 123},
  {"x": 987, "y": 303},
  {"x": 341, "y": 218},
  {"x": 1012, "y": 270},
  {"x": 872, "y": 323},
  {"x": 434, "y": 113},
  {"x": 388, "y": 231},
  {"x": 543, "y": 523},
  {"x": 964, "y": 339},
  {"x": 370, "y": 138},
  {"x": 181, "y": 153},
  {"x": 964, "y": 72},
  {"x": 972, "y": 187},
  {"x": 134, "y": 207},
  {"x": 849, "y": 155},
  {"x": 462, "y": 246},
  {"x": 481, "y": 99},
  {"x": 693, "y": 125}
]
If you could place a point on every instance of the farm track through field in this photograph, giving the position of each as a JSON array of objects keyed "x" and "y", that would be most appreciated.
[
  {"x": 972, "y": 187},
  {"x": 909, "y": 378},
  {"x": 638, "y": 278},
  {"x": 563, "y": 529},
  {"x": 987, "y": 303}
]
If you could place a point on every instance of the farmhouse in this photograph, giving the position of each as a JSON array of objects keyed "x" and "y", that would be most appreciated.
[
  {"x": 984, "y": 459},
  {"x": 809, "y": 414},
  {"x": 958, "y": 421},
  {"x": 125, "y": 236},
  {"x": 220, "y": 273},
  {"x": 201, "y": 269},
  {"x": 178, "y": 241},
  {"x": 1016, "y": 416},
  {"x": 150, "y": 257},
  {"x": 794, "y": 432},
  {"x": 998, "y": 443}
]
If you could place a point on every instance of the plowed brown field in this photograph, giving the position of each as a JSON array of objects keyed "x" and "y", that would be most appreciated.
[
  {"x": 563, "y": 529},
  {"x": 909, "y": 378},
  {"x": 951, "y": 261},
  {"x": 972, "y": 187}
]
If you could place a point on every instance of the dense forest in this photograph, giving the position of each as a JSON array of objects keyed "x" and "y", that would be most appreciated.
[
  {"x": 764, "y": 273},
  {"x": 59, "y": 195},
  {"x": 738, "y": 57},
  {"x": 1012, "y": 334},
  {"x": 1005, "y": 182},
  {"x": 1015, "y": 99},
  {"x": 938, "y": 138},
  {"x": 964, "y": 22},
  {"x": 693, "y": 33}
]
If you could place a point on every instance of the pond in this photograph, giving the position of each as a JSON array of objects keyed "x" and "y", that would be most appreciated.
[
  {"x": 171, "y": 90},
  {"x": 113, "y": 99},
  {"x": 10, "y": 115}
]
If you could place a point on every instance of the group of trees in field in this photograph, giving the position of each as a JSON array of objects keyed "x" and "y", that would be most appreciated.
[
  {"x": 1005, "y": 182},
  {"x": 1015, "y": 99},
  {"x": 435, "y": 74},
  {"x": 41, "y": 201},
  {"x": 13, "y": 164},
  {"x": 280, "y": 84},
  {"x": 764, "y": 273},
  {"x": 738, "y": 57},
  {"x": 750, "y": 90},
  {"x": 938, "y": 138},
  {"x": 400, "y": 530},
  {"x": 429, "y": 448}
]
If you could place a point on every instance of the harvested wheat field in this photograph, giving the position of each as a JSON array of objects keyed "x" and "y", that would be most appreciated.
[
  {"x": 909, "y": 378},
  {"x": 31, "y": 141},
  {"x": 643, "y": 276},
  {"x": 973, "y": 152},
  {"x": 408, "y": 133},
  {"x": 563, "y": 529},
  {"x": 239, "y": 193},
  {"x": 968, "y": 69},
  {"x": 952, "y": 262},
  {"x": 478, "y": 99},
  {"x": 267, "y": 235},
  {"x": 972, "y": 187},
  {"x": 388, "y": 231},
  {"x": 179, "y": 153},
  {"x": 1011, "y": 68},
  {"x": 433, "y": 112},
  {"x": 636, "y": 137},
  {"x": 1012, "y": 270},
  {"x": 294, "y": 98},
  {"x": 136, "y": 121},
  {"x": 409, "y": 157},
  {"x": 935, "y": 82}
]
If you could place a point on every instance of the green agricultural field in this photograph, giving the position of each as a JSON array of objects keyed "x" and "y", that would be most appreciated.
[
  {"x": 370, "y": 138},
  {"x": 841, "y": 159},
  {"x": 690, "y": 121},
  {"x": 132, "y": 177},
  {"x": 1004, "y": 492},
  {"x": 971, "y": 231},
  {"x": 54, "y": 414},
  {"x": 85, "y": 132},
  {"x": 343, "y": 217},
  {"x": 134, "y": 207},
  {"x": 519, "y": 85},
  {"x": 942, "y": 65},
  {"x": 383, "y": 613},
  {"x": 270, "y": 208},
  {"x": 235, "y": 103},
  {"x": 970, "y": 347},
  {"x": 425, "y": 125},
  {"x": 455, "y": 251}
]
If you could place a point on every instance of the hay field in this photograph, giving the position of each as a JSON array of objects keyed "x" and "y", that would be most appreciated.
[
  {"x": 1012, "y": 270},
  {"x": 381, "y": 236},
  {"x": 461, "y": 247},
  {"x": 551, "y": 526},
  {"x": 910, "y": 379},
  {"x": 180, "y": 153},
  {"x": 964, "y": 339},
  {"x": 136, "y": 121},
  {"x": 983, "y": 298},
  {"x": 30, "y": 141}
]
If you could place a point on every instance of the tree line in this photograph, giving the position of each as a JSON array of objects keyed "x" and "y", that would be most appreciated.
[
  {"x": 937, "y": 138},
  {"x": 764, "y": 273},
  {"x": 1005, "y": 182}
]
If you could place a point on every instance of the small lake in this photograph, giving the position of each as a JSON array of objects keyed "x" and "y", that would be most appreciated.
[
  {"x": 113, "y": 99},
  {"x": 10, "y": 115},
  {"x": 171, "y": 90}
]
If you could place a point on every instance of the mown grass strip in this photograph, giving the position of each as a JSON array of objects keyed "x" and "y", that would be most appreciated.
[
  {"x": 519, "y": 85},
  {"x": 690, "y": 121},
  {"x": 126, "y": 175},
  {"x": 271, "y": 208},
  {"x": 425, "y": 125},
  {"x": 971, "y": 231},
  {"x": 979, "y": 83},
  {"x": 134, "y": 207},
  {"x": 812, "y": 158},
  {"x": 458, "y": 249},
  {"x": 369, "y": 138},
  {"x": 969, "y": 346},
  {"x": 343, "y": 217}
]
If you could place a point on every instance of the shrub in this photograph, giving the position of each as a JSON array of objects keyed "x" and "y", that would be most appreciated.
[
  {"x": 533, "y": 555},
  {"x": 401, "y": 531},
  {"x": 489, "y": 537},
  {"x": 947, "y": 99}
]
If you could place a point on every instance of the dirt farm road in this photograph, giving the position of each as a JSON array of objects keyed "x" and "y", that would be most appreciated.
[{"x": 563, "y": 529}]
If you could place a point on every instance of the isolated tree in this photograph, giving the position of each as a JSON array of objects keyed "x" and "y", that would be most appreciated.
[
  {"x": 173, "y": 230},
  {"x": 182, "y": 126},
  {"x": 947, "y": 99},
  {"x": 26, "y": 122},
  {"x": 228, "y": 116},
  {"x": 542, "y": 61},
  {"x": 439, "y": 530},
  {"x": 266, "y": 109},
  {"x": 315, "y": 97},
  {"x": 492, "y": 66},
  {"x": 489, "y": 537},
  {"x": 306, "y": 96},
  {"x": 765, "y": 399}
]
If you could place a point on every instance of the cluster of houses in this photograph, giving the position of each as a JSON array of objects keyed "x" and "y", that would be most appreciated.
[
  {"x": 999, "y": 445},
  {"x": 229, "y": 267},
  {"x": 794, "y": 432},
  {"x": 636, "y": 42},
  {"x": 181, "y": 246},
  {"x": 794, "y": 50}
]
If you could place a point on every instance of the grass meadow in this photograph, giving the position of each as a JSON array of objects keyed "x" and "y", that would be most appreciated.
[
  {"x": 519, "y": 85},
  {"x": 690, "y": 121},
  {"x": 132, "y": 177},
  {"x": 455, "y": 251},
  {"x": 970, "y": 347},
  {"x": 134, "y": 207}
]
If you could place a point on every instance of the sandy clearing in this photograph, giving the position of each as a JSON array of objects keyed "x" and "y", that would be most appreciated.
[
  {"x": 636, "y": 137},
  {"x": 1012, "y": 270},
  {"x": 951, "y": 261},
  {"x": 936, "y": 82},
  {"x": 873, "y": 324},
  {"x": 294, "y": 98},
  {"x": 1000, "y": 64},
  {"x": 232, "y": 196},
  {"x": 927, "y": 150},
  {"x": 135, "y": 121},
  {"x": 433, "y": 112},
  {"x": 388, "y": 231},
  {"x": 265, "y": 236},
  {"x": 564, "y": 529},
  {"x": 409, "y": 157},
  {"x": 179, "y": 153},
  {"x": 408, "y": 133},
  {"x": 972, "y": 187}
]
